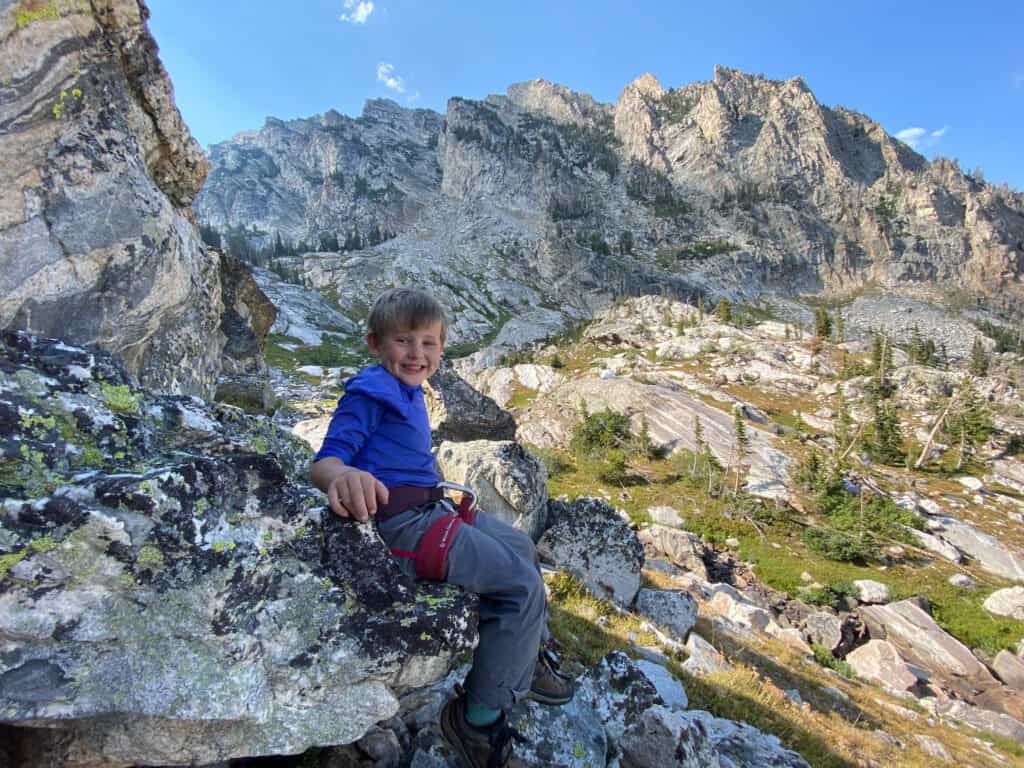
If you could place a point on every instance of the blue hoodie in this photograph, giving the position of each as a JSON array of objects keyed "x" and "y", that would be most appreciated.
[{"x": 381, "y": 427}]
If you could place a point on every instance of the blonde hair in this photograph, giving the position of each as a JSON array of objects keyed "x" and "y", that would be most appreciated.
[{"x": 403, "y": 309}]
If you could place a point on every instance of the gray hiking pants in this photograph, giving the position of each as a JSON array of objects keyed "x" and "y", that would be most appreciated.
[{"x": 499, "y": 563}]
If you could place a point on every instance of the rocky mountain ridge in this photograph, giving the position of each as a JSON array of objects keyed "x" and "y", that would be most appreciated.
[{"x": 732, "y": 187}]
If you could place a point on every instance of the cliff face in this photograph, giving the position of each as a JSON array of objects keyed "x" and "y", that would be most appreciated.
[
  {"x": 97, "y": 175},
  {"x": 726, "y": 187}
]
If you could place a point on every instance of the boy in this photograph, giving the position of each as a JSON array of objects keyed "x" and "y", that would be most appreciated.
[{"x": 375, "y": 462}]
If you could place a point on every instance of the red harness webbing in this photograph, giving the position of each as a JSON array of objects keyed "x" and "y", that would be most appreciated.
[{"x": 431, "y": 555}]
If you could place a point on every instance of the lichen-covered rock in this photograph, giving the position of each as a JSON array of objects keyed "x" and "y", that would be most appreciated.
[
  {"x": 509, "y": 481},
  {"x": 675, "y": 610},
  {"x": 97, "y": 243},
  {"x": 660, "y": 733},
  {"x": 588, "y": 539},
  {"x": 171, "y": 590}
]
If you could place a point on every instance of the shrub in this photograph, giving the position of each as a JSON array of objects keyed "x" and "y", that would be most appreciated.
[
  {"x": 824, "y": 656},
  {"x": 836, "y": 545},
  {"x": 600, "y": 432}
]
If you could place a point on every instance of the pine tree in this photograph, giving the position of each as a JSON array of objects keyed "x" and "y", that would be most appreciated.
[
  {"x": 970, "y": 426},
  {"x": 699, "y": 446},
  {"x": 979, "y": 358},
  {"x": 723, "y": 313},
  {"x": 700, "y": 308},
  {"x": 822, "y": 323},
  {"x": 887, "y": 445},
  {"x": 840, "y": 327},
  {"x": 741, "y": 444}
]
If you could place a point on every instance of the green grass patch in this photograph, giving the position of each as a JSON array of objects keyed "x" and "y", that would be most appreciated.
[{"x": 333, "y": 352}]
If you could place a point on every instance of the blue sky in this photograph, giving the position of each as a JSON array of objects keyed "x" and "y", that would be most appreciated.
[{"x": 951, "y": 73}]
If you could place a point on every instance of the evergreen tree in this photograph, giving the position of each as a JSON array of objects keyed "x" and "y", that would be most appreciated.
[
  {"x": 699, "y": 446},
  {"x": 822, "y": 323},
  {"x": 840, "y": 327},
  {"x": 979, "y": 358},
  {"x": 842, "y": 434},
  {"x": 970, "y": 426},
  {"x": 881, "y": 361},
  {"x": 916, "y": 347},
  {"x": 723, "y": 313},
  {"x": 700, "y": 308},
  {"x": 887, "y": 442},
  {"x": 741, "y": 444}
]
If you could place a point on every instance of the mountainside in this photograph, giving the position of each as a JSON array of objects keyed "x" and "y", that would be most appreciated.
[{"x": 543, "y": 199}]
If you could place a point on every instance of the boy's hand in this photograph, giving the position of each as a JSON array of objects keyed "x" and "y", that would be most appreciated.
[{"x": 355, "y": 493}]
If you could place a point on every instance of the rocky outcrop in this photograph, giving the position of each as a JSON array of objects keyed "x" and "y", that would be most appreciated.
[
  {"x": 880, "y": 662},
  {"x": 247, "y": 318},
  {"x": 669, "y": 411},
  {"x": 172, "y": 592},
  {"x": 508, "y": 480},
  {"x": 589, "y": 540},
  {"x": 460, "y": 413},
  {"x": 920, "y": 640},
  {"x": 675, "y": 610},
  {"x": 97, "y": 243}
]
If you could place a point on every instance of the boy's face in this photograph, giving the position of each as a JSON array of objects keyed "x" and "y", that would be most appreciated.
[{"x": 411, "y": 356}]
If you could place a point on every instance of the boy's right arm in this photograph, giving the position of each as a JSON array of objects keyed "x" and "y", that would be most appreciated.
[{"x": 350, "y": 492}]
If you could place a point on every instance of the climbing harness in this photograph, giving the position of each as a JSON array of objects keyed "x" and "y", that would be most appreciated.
[{"x": 431, "y": 555}]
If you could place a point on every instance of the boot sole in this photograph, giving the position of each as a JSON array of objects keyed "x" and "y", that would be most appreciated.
[
  {"x": 551, "y": 701},
  {"x": 450, "y": 734}
]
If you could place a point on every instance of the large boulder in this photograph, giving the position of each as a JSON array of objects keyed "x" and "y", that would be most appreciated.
[
  {"x": 97, "y": 242},
  {"x": 976, "y": 717},
  {"x": 460, "y": 413},
  {"x": 683, "y": 548},
  {"x": 923, "y": 642},
  {"x": 990, "y": 553},
  {"x": 173, "y": 592},
  {"x": 508, "y": 480},
  {"x": 1010, "y": 669},
  {"x": 588, "y": 539},
  {"x": 704, "y": 658},
  {"x": 880, "y": 662},
  {"x": 1006, "y": 602},
  {"x": 675, "y": 610}
]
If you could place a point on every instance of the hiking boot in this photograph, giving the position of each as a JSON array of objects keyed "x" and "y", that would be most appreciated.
[
  {"x": 487, "y": 747},
  {"x": 550, "y": 685}
]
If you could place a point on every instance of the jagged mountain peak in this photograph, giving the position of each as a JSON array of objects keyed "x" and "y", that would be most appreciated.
[{"x": 557, "y": 102}]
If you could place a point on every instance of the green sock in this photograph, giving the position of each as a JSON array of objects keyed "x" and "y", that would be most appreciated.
[{"x": 479, "y": 715}]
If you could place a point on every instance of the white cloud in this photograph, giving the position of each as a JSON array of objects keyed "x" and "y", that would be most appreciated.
[
  {"x": 386, "y": 74},
  {"x": 921, "y": 139},
  {"x": 356, "y": 11},
  {"x": 911, "y": 136}
]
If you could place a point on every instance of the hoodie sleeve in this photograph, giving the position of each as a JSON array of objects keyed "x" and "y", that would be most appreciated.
[{"x": 355, "y": 419}]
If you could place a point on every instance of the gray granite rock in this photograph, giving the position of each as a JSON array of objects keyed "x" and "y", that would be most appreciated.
[
  {"x": 1006, "y": 602},
  {"x": 675, "y": 610},
  {"x": 510, "y": 482},
  {"x": 588, "y": 539}
]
